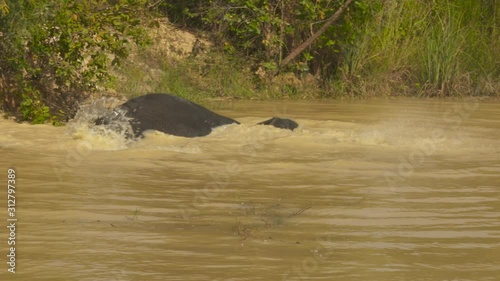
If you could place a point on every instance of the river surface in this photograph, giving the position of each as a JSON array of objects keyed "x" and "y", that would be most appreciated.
[{"x": 363, "y": 190}]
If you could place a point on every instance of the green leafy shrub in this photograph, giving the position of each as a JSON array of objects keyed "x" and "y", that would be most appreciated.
[
  {"x": 267, "y": 30},
  {"x": 54, "y": 53}
]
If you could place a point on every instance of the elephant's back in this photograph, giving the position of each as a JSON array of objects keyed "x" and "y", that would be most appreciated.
[{"x": 172, "y": 115}]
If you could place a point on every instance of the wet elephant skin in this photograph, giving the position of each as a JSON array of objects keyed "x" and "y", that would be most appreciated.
[{"x": 176, "y": 116}]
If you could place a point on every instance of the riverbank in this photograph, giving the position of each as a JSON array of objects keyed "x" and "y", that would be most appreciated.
[
  {"x": 188, "y": 64},
  {"x": 238, "y": 50}
]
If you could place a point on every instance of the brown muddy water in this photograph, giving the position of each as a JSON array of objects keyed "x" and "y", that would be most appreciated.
[{"x": 367, "y": 190}]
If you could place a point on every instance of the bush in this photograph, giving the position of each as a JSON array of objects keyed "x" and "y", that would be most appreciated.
[
  {"x": 407, "y": 47},
  {"x": 54, "y": 53},
  {"x": 267, "y": 30}
]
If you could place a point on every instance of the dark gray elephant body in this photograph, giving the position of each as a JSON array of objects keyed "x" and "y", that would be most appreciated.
[
  {"x": 171, "y": 115},
  {"x": 176, "y": 116}
]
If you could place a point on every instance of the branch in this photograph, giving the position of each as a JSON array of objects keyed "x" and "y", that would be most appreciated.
[{"x": 313, "y": 37}]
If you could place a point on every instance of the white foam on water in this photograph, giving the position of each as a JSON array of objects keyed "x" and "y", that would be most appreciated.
[
  {"x": 155, "y": 140},
  {"x": 399, "y": 131},
  {"x": 111, "y": 136}
]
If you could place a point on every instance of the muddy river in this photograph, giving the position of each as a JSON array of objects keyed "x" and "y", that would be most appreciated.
[{"x": 362, "y": 190}]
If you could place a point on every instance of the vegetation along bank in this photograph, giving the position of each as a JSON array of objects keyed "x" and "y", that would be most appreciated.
[{"x": 55, "y": 54}]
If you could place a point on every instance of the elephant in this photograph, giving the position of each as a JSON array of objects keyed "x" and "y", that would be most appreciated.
[{"x": 175, "y": 116}]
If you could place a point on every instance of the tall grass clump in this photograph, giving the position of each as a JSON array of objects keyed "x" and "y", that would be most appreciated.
[
  {"x": 458, "y": 53},
  {"x": 424, "y": 48},
  {"x": 380, "y": 62},
  {"x": 444, "y": 46}
]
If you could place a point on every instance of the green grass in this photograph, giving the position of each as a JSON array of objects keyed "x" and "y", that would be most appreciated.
[{"x": 419, "y": 48}]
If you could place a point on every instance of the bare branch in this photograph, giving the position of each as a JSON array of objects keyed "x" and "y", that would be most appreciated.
[{"x": 313, "y": 37}]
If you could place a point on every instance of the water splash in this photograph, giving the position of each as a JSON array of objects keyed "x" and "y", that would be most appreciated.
[{"x": 112, "y": 134}]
